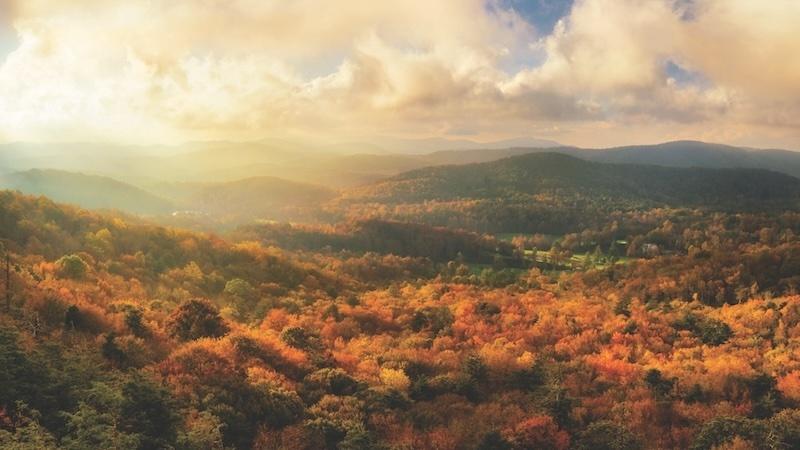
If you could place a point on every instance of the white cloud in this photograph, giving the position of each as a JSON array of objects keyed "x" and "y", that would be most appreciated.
[{"x": 165, "y": 71}]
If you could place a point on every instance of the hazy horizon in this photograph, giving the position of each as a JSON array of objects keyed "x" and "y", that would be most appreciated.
[{"x": 376, "y": 145}]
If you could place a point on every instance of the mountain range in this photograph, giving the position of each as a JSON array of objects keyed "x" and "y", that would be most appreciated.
[
  {"x": 280, "y": 181},
  {"x": 569, "y": 177}
]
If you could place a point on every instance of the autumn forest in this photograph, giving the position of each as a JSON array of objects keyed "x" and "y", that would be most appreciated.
[
  {"x": 535, "y": 302},
  {"x": 400, "y": 225}
]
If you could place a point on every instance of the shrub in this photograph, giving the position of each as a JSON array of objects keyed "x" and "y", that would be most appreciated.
[
  {"x": 710, "y": 331},
  {"x": 722, "y": 430},
  {"x": 300, "y": 338},
  {"x": 785, "y": 426},
  {"x": 195, "y": 319},
  {"x": 607, "y": 435},
  {"x": 328, "y": 381},
  {"x": 72, "y": 267},
  {"x": 537, "y": 432}
]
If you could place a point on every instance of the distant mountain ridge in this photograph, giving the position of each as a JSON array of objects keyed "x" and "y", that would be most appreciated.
[
  {"x": 568, "y": 176},
  {"x": 346, "y": 165},
  {"x": 433, "y": 145},
  {"x": 88, "y": 191},
  {"x": 686, "y": 154}
]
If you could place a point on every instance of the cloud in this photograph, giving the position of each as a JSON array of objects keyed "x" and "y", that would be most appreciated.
[
  {"x": 616, "y": 54},
  {"x": 206, "y": 69},
  {"x": 746, "y": 45}
]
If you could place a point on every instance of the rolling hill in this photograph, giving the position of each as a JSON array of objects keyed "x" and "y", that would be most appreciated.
[
  {"x": 669, "y": 154},
  {"x": 347, "y": 170},
  {"x": 247, "y": 199},
  {"x": 198, "y": 205},
  {"x": 554, "y": 193},
  {"x": 685, "y": 154},
  {"x": 88, "y": 191},
  {"x": 554, "y": 173}
]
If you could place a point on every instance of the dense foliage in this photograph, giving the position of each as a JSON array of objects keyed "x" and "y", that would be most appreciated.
[{"x": 653, "y": 328}]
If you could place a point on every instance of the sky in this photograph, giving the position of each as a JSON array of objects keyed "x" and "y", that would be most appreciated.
[{"x": 592, "y": 73}]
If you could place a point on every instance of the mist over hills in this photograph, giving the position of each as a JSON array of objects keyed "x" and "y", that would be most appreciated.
[
  {"x": 247, "y": 199},
  {"x": 431, "y": 145},
  {"x": 352, "y": 164},
  {"x": 205, "y": 203},
  {"x": 88, "y": 191},
  {"x": 234, "y": 183},
  {"x": 227, "y": 161},
  {"x": 347, "y": 169}
]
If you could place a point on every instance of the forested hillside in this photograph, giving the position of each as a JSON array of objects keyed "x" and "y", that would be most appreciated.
[
  {"x": 400, "y": 238},
  {"x": 555, "y": 193},
  {"x": 550, "y": 173},
  {"x": 696, "y": 154},
  {"x": 661, "y": 328}
]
